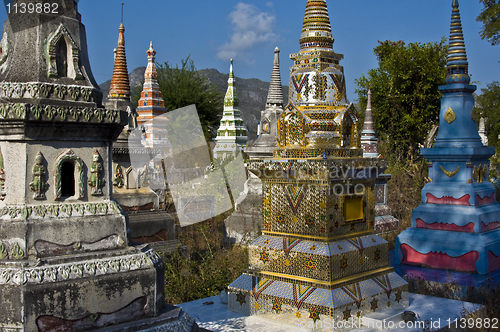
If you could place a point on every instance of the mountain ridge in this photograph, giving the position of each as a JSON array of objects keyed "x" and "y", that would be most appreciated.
[{"x": 252, "y": 93}]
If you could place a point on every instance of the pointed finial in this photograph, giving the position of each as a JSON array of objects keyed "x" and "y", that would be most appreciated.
[
  {"x": 275, "y": 94},
  {"x": 151, "y": 51},
  {"x": 369, "y": 103},
  {"x": 457, "y": 66},
  {"x": 231, "y": 99},
  {"x": 120, "y": 84},
  {"x": 122, "y": 12},
  {"x": 231, "y": 74}
]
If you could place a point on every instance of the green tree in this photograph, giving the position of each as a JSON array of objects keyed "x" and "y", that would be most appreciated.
[
  {"x": 183, "y": 86},
  {"x": 405, "y": 95},
  {"x": 489, "y": 108},
  {"x": 490, "y": 17}
]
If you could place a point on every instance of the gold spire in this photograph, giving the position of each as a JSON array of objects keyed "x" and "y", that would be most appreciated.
[
  {"x": 120, "y": 84},
  {"x": 316, "y": 29}
]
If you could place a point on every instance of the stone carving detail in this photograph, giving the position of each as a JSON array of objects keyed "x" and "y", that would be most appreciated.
[
  {"x": 96, "y": 180},
  {"x": 118, "y": 176},
  {"x": 17, "y": 253},
  {"x": 60, "y": 91},
  {"x": 75, "y": 270},
  {"x": 74, "y": 92},
  {"x": 2, "y": 179},
  {"x": 39, "y": 185},
  {"x": 45, "y": 90},
  {"x": 54, "y": 210},
  {"x": 4, "y": 48},
  {"x": 68, "y": 155},
  {"x": 73, "y": 70},
  {"x": 50, "y": 113},
  {"x": 49, "y": 90},
  {"x": 3, "y": 252}
]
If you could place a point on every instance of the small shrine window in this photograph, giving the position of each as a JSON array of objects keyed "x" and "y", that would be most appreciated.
[
  {"x": 67, "y": 179},
  {"x": 68, "y": 176},
  {"x": 62, "y": 58}
]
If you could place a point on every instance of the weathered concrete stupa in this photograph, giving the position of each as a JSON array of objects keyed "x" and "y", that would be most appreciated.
[
  {"x": 318, "y": 259},
  {"x": 65, "y": 263},
  {"x": 457, "y": 226},
  {"x": 231, "y": 135}
]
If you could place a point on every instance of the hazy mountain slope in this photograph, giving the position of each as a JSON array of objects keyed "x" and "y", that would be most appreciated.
[{"x": 252, "y": 93}]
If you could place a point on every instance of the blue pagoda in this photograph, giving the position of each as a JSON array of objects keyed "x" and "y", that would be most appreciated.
[{"x": 457, "y": 225}]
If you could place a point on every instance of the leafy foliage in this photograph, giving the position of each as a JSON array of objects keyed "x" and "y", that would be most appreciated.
[
  {"x": 490, "y": 17},
  {"x": 183, "y": 86},
  {"x": 405, "y": 96}
]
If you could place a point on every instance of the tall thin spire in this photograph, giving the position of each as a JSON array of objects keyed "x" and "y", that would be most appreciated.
[
  {"x": 275, "y": 94},
  {"x": 458, "y": 67},
  {"x": 120, "y": 84},
  {"x": 231, "y": 99},
  {"x": 368, "y": 128},
  {"x": 316, "y": 29},
  {"x": 369, "y": 141}
]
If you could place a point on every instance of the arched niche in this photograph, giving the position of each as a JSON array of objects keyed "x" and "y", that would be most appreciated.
[
  {"x": 62, "y": 55},
  {"x": 68, "y": 185},
  {"x": 291, "y": 127},
  {"x": 350, "y": 132}
]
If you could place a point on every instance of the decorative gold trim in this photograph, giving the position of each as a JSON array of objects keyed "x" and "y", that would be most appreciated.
[
  {"x": 448, "y": 173},
  {"x": 450, "y": 116},
  {"x": 324, "y": 284},
  {"x": 319, "y": 238}
]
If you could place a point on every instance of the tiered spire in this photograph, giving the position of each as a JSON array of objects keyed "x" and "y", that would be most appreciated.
[
  {"x": 231, "y": 99},
  {"x": 275, "y": 95},
  {"x": 120, "y": 84},
  {"x": 316, "y": 29},
  {"x": 458, "y": 67},
  {"x": 231, "y": 135},
  {"x": 369, "y": 141},
  {"x": 151, "y": 106},
  {"x": 368, "y": 129}
]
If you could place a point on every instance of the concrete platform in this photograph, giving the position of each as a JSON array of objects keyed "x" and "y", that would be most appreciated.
[{"x": 217, "y": 318}]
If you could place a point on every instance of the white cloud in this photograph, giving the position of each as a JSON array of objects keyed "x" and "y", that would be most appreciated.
[{"x": 251, "y": 27}]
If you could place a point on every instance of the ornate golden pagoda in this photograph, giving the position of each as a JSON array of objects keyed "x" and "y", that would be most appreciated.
[{"x": 318, "y": 259}]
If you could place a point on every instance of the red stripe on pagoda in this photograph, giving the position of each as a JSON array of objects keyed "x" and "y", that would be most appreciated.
[
  {"x": 469, "y": 228},
  {"x": 494, "y": 261},
  {"x": 486, "y": 199},
  {"x": 490, "y": 226},
  {"x": 466, "y": 262},
  {"x": 464, "y": 200}
]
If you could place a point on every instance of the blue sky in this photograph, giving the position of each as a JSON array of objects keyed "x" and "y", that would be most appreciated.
[{"x": 248, "y": 31}]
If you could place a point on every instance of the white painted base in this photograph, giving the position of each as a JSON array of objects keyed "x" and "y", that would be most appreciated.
[{"x": 217, "y": 318}]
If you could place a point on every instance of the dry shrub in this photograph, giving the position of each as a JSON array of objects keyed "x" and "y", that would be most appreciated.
[{"x": 211, "y": 266}]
